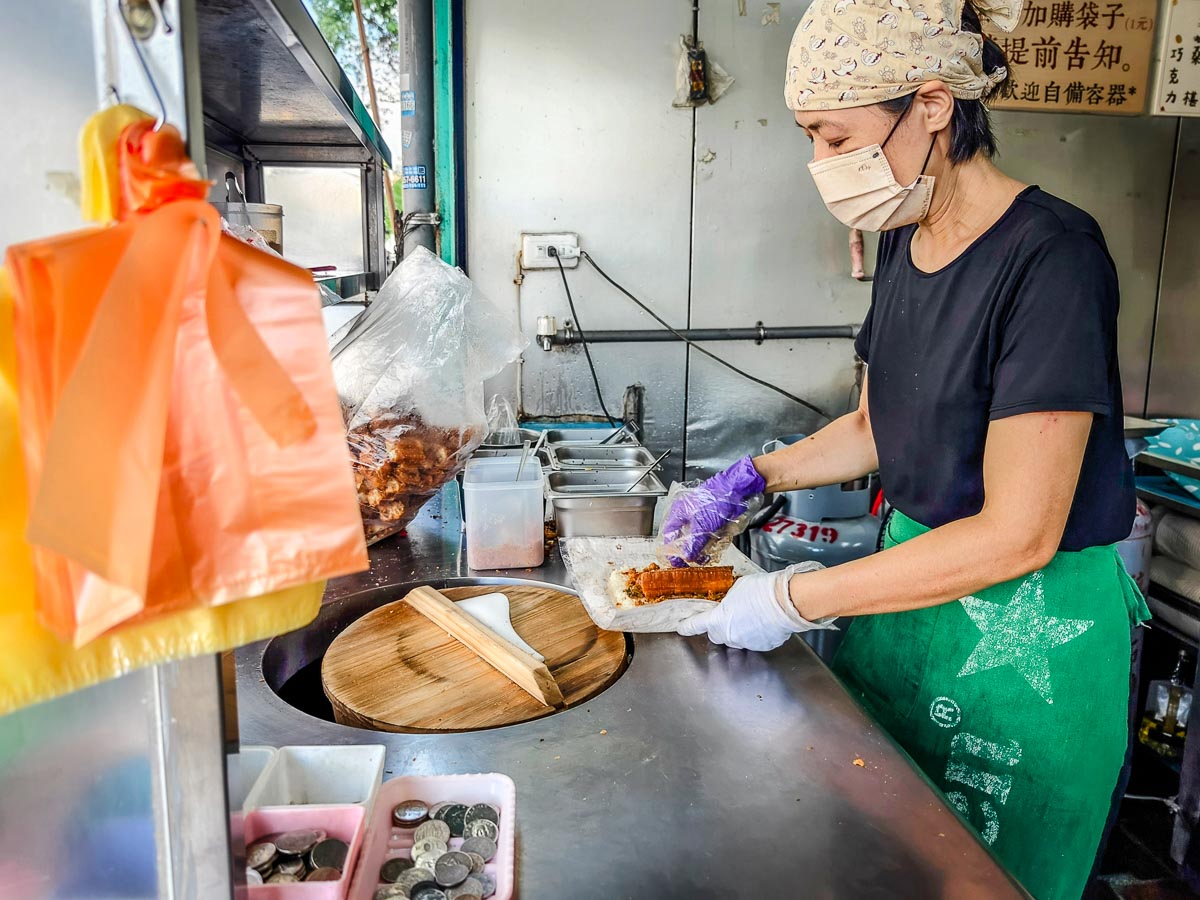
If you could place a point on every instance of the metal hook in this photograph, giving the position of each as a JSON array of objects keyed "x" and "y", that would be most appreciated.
[
  {"x": 161, "y": 15},
  {"x": 123, "y": 9}
]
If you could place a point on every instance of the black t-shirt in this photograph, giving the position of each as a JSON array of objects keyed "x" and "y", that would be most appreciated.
[{"x": 1025, "y": 320}]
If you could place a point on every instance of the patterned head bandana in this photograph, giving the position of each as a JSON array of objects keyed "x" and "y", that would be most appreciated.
[{"x": 849, "y": 53}]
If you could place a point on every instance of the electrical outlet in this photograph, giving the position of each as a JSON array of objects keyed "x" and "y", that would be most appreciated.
[{"x": 535, "y": 250}]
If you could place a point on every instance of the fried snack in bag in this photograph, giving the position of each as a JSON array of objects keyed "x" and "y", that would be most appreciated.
[
  {"x": 182, "y": 438},
  {"x": 410, "y": 374}
]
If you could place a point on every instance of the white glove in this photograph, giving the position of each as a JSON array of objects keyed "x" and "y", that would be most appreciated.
[{"x": 756, "y": 614}]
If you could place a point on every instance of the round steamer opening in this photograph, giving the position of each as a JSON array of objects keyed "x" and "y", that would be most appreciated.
[{"x": 372, "y": 661}]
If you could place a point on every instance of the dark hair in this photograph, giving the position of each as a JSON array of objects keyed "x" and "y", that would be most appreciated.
[{"x": 970, "y": 128}]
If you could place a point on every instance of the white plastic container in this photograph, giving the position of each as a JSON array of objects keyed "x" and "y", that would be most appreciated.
[
  {"x": 243, "y": 770},
  {"x": 504, "y": 516},
  {"x": 320, "y": 776}
]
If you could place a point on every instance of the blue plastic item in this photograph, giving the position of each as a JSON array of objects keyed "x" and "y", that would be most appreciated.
[{"x": 1181, "y": 442}]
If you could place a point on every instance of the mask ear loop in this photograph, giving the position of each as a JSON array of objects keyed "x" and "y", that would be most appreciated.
[
  {"x": 928, "y": 155},
  {"x": 896, "y": 125}
]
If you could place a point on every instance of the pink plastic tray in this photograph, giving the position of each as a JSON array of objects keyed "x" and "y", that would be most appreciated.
[
  {"x": 384, "y": 840},
  {"x": 342, "y": 822}
]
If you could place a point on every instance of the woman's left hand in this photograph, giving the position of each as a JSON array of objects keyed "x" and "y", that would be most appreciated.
[{"x": 756, "y": 614}]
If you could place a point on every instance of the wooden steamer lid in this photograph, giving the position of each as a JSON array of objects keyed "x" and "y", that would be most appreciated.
[{"x": 395, "y": 670}]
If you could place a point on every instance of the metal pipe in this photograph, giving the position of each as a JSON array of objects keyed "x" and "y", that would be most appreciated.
[
  {"x": 568, "y": 336},
  {"x": 416, "y": 115},
  {"x": 447, "y": 107}
]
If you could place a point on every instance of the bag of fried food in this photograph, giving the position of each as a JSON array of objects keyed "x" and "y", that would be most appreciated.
[{"x": 410, "y": 372}]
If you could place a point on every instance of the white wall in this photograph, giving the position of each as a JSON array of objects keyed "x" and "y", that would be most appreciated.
[
  {"x": 569, "y": 127},
  {"x": 48, "y": 76}
]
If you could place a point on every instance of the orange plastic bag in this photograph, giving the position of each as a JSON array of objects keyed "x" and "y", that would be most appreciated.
[
  {"x": 34, "y": 664},
  {"x": 182, "y": 436}
]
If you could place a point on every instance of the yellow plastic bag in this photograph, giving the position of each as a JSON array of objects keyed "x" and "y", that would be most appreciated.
[{"x": 34, "y": 664}]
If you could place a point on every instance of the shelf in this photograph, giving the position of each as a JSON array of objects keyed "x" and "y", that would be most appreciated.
[
  {"x": 1135, "y": 427},
  {"x": 1170, "y": 464},
  {"x": 1174, "y": 614},
  {"x": 269, "y": 77},
  {"x": 1159, "y": 489}
]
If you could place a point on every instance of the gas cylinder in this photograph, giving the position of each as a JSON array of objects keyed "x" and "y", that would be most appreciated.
[{"x": 829, "y": 525}]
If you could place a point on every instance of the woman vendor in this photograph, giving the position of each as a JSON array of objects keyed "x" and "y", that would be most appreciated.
[{"x": 991, "y": 636}]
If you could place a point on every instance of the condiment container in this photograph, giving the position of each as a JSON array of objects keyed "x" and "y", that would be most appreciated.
[{"x": 504, "y": 514}]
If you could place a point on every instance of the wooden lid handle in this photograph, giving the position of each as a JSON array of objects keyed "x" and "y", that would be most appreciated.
[{"x": 522, "y": 669}]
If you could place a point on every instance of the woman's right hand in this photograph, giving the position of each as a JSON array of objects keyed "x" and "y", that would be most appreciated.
[{"x": 712, "y": 510}]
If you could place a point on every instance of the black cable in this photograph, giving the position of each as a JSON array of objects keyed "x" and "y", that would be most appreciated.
[
  {"x": 820, "y": 412},
  {"x": 582, "y": 339}
]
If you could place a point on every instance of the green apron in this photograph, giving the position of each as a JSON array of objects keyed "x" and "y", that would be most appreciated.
[{"x": 1014, "y": 702}]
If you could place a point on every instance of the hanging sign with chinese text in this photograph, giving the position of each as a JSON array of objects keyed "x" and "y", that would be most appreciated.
[
  {"x": 1079, "y": 56},
  {"x": 1177, "y": 85}
]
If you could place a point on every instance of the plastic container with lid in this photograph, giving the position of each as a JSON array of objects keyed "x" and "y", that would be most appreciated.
[{"x": 504, "y": 515}]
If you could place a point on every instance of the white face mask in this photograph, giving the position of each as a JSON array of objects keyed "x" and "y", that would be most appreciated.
[{"x": 861, "y": 191}]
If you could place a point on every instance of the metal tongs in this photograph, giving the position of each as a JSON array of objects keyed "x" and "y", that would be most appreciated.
[
  {"x": 628, "y": 428},
  {"x": 526, "y": 452},
  {"x": 649, "y": 469}
]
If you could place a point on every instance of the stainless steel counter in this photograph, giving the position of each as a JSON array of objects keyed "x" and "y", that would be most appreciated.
[{"x": 702, "y": 772}]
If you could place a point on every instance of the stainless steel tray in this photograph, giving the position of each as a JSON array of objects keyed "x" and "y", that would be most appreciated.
[
  {"x": 494, "y": 442},
  {"x": 543, "y": 455},
  {"x": 596, "y": 503},
  {"x": 572, "y": 457},
  {"x": 586, "y": 436}
]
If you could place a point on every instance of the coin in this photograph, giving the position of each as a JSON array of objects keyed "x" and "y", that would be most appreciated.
[
  {"x": 430, "y": 893},
  {"x": 471, "y": 889},
  {"x": 390, "y": 892},
  {"x": 325, "y": 873},
  {"x": 253, "y": 877},
  {"x": 410, "y": 813},
  {"x": 280, "y": 878},
  {"x": 477, "y": 860},
  {"x": 292, "y": 865},
  {"x": 433, "y": 829},
  {"x": 455, "y": 816},
  {"x": 436, "y": 811},
  {"x": 429, "y": 845},
  {"x": 260, "y": 854},
  {"x": 488, "y": 882},
  {"x": 482, "y": 811},
  {"x": 422, "y": 886},
  {"x": 453, "y": 868},
  {"x": 484, "y": 828},
  {"x": 413, "y": 877},
  {"x": 329, "y": 854},
  {"x": 391, "y": 870},
  {"x": 482, "y": 846},
  {"x": 427, "y": 861},
  {"x": 299, "y": 842}
]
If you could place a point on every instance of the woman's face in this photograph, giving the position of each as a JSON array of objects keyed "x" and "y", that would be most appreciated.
[{"x": 835, "y": 132}]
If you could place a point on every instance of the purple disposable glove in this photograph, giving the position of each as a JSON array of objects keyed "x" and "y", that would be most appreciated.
[{"x": 700, "y": 515}]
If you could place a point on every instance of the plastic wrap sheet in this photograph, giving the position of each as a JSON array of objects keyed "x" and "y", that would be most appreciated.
[{"x": 591, "y": 562}]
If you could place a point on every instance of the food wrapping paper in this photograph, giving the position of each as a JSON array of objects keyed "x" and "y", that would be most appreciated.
[{"x": 592, "y": 560}]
